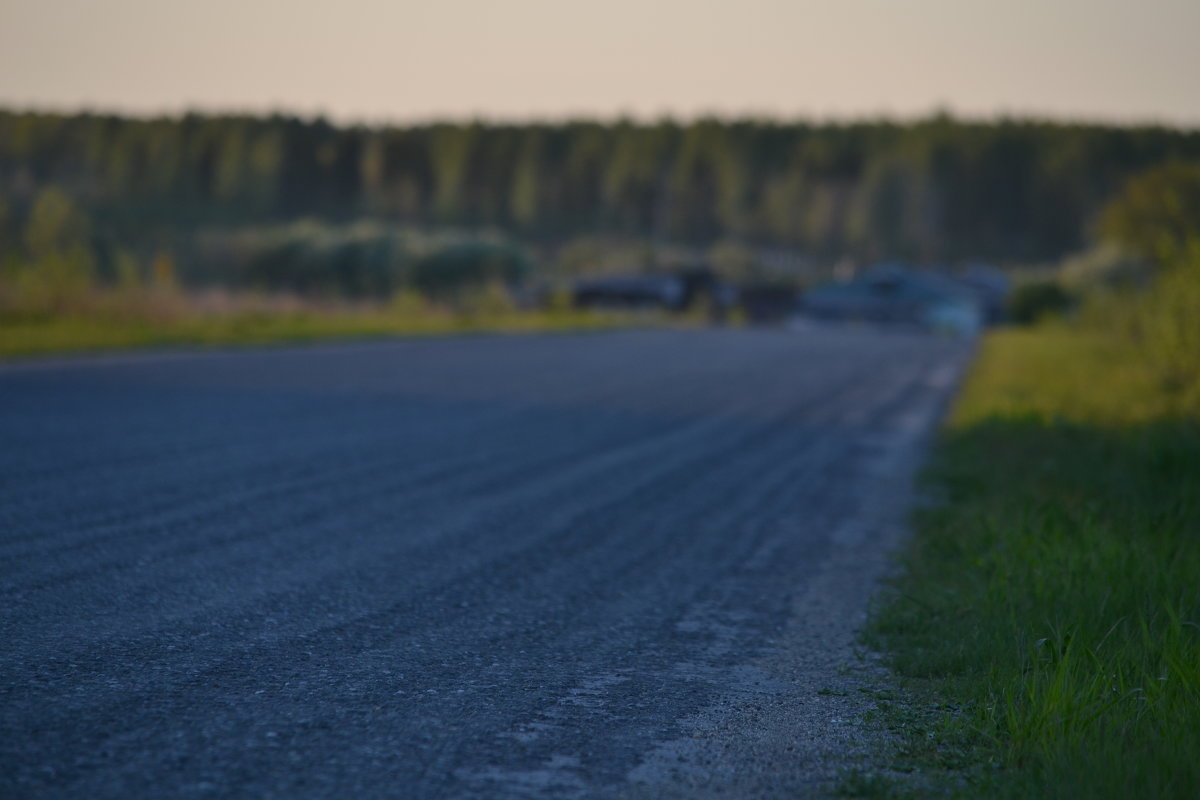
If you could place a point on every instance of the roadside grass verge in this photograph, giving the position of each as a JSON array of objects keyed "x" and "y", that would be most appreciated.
[
  {"x": 1046, "y": 623},
  {"x": 67, "y": 333}
]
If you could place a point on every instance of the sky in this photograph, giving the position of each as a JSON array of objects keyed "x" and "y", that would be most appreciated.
[{"x": 380, "y": 61}]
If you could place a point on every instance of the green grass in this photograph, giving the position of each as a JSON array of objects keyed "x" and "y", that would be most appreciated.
[
  {"x": 53, "y": 334},
  {"x": 1046, "y": 625}
]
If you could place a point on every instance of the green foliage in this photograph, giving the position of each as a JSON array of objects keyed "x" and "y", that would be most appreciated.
[
  {"x": 456, "y": 270},
  {"x": 408, "y": 303},
  {"x": 488, "y": 302},
  {"x": 936, "y": 188},
  {"x": 1035, "y": 300},
  {"x": 590, "y": 256},
  {"x": 1062, "y": 372},
  {"x": 1160, "y": 321},
  {"x": 56, "y": 268},
  {"x": 734, "y": 261},
  {"x": 1168, "y": 329},
  {"x": 1163, "y": 322},
  {"x": 112, "y": 324},
  {"x": 1051, "y": 597},
  {"x": 1105, "y": 267},
  {"x": 311, "y": 258},
  {"x": 361, "y": 261},
  {"x": 162, "y": 273},
  {"x": 55, "y": 226},
  {"x": 129, "y": 273},
  {"x": 559, "y": 301},
  {"x": 1157, "y": 213}
]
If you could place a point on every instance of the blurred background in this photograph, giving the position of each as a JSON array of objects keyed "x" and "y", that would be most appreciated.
[{"x": 261, "y": 170}]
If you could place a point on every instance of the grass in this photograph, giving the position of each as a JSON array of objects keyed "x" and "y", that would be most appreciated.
[
  {"x": 77, "y": 333},
  {"x": 1046, "y": 625}
]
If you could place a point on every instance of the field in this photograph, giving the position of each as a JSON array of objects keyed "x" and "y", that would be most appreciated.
[
  {"x": 44, "y": 335},
  {"x": 1046, "y": 625}
]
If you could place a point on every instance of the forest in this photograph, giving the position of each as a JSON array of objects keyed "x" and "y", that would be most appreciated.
[{"x": 265, "y": 201}]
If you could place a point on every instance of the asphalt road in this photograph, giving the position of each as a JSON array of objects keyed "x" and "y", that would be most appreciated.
[{"x": 621, "y": 564}]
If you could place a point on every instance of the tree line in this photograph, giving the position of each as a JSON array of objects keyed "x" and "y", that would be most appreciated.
[{"x": 932, "y": 189}]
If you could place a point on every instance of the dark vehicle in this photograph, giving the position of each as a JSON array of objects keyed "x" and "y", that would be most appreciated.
[{"x": 670, "y": 292}]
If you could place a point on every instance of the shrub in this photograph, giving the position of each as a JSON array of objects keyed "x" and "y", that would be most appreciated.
[
  {"x": 1167, "y": 327},
  {"x": 1033, "y": 301},
  {"x": 1157, "y": 215},
  {"x": 464, "y": 268}
]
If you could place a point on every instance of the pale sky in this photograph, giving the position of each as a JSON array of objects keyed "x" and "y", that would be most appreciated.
[{"x": 375, "y": 60}]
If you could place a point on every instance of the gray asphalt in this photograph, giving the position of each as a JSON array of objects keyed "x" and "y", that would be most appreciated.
[{"x": 527, "y": 566}]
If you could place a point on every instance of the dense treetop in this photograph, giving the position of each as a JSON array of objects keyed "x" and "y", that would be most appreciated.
[{"x": 933, "y": 189}]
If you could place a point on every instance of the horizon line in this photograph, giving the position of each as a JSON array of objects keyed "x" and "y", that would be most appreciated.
[{"x": 578, "y": 117}]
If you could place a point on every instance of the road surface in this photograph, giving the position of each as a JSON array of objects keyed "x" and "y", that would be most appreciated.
[{"x": 623, "y": 564}]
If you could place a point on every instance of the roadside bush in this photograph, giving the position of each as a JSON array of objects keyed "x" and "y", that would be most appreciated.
[
  {"x": 1167, "y": 328},
  {"x": 462, "y": 269},
  {"x": 1161, "y": 322},
  {"x": 1036, "y": 300},
  {"x": 54, "y": 271},
  {"x": 1105, "y": 267},
  {"x": 489, "y": 302},
  {"x": 408, "y": 303},
  {"x": 1157, "y": 214}
]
